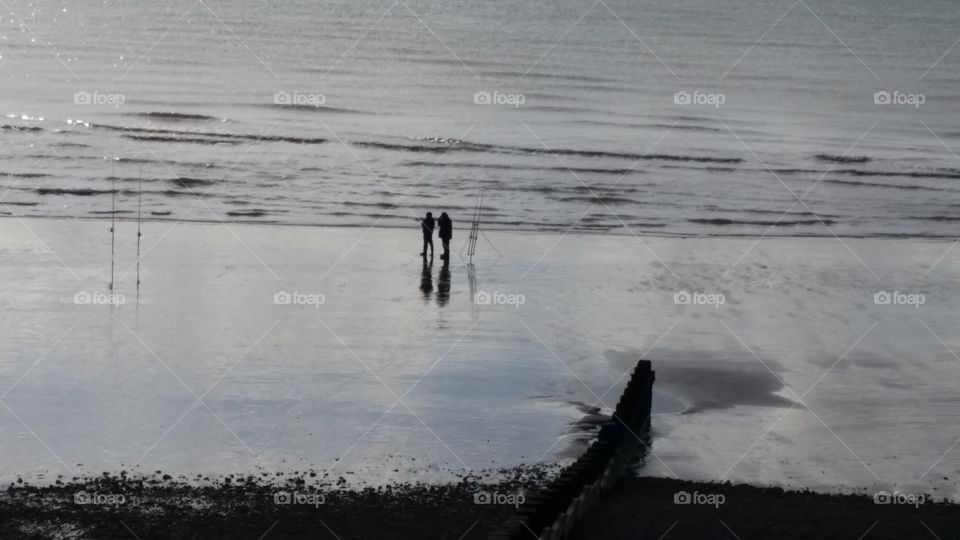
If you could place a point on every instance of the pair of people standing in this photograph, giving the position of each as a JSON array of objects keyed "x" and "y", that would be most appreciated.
[{"x": 427, "y": 226}]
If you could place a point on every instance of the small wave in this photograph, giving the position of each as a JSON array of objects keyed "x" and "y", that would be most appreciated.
[
  {"x": 175, "y": 193},
  {"x": 603, "y": 153},
  {"x": 781, "y": 223},
  {"x": 374, "y": 205},
  {"x": 794, "y": 171},
  {"x": 160, "y": 213},
  {"x": 130, "y": 160},
  {"x": 602, "y": 189},
  {"x": 501, "y": 166},
  {"x": 574, "y": 77},
  {"x": 187, "y": 182},
  {"x": 939, "y": 173},
  {"x": 253, "y": 212},
  {"x": 624, "y": 155},
  {"x": 601, "y": 199},
  {"x": 777, "y": 213},
  {"x": 532, "y": 189},
  {"x": 20, "y": 128},
  {"x": 689, "y": 127},
  {"x": 889, "y": 186},
  {"x": 12, "y": 203},
  {"x": 618, "y": 219},
  {"x": 310, "y": 108},
  {"x": 934, "y": 218},
  {"x": 81, "y": 192},
  {"x": 599, "y": 226},
  {"x": 88, "y": 192},
  {"x": 135, "y": 179},
  {"x": 23, "y": 175},
  {"x": 108, "y": 212},
  {"x": 832, "y": 158},
  {"x": 188, "y": 140},
  {"x": 174, "y": 116},
  {"x": 238, "y": 136},
  {"x": 456, "y": 145},
  {"x": 414, "y": 147}
]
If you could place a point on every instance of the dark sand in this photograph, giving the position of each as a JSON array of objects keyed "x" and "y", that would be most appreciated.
[
  {"x": 637, "y": 508},
  {"x": 644, "y": 508},
  {"x": 247, "y": 507}
]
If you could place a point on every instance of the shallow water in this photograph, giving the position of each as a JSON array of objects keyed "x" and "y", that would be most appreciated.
[
  {"x": 89, "y": 388},
  {"x": 598, "y": 143}
]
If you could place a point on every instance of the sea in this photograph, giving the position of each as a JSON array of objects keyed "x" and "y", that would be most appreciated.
[{"x": 689, "y": 118}]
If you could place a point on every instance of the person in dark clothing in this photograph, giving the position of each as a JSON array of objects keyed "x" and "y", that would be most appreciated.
[
  {"x": 427, "y": 225},
  {"x": 446, "y": 233}
]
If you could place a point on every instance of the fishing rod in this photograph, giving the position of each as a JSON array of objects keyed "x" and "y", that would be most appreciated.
[
  {"x": 113, "y": 222},
  {"x": 139, "y": 206}
]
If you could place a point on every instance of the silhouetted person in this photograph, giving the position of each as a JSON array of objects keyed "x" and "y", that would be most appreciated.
[
  {"x": 443, "y": 284},
  {"x": 427, "y": 225},
  {"x": 446, "y": 233}
]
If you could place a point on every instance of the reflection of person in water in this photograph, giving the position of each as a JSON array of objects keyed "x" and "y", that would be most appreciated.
[
  {"x": 446, "y": 233},
  {"x": 426, "y": 278},
  {"x": 443, "y": 284},
  {"x": 426, "y": 226}
]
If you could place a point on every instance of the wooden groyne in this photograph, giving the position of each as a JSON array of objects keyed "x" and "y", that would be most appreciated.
[{"x": 554, "y": 511}]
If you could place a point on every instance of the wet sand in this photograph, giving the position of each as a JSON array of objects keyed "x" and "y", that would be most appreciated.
[{"x": 89, "y": 388}]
